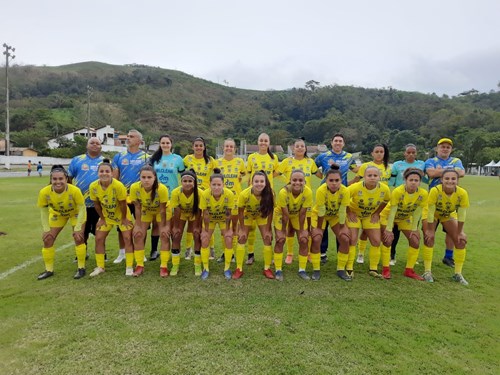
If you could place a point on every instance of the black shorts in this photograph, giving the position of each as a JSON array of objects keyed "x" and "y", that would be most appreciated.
[{"x": 92, "y": 219}]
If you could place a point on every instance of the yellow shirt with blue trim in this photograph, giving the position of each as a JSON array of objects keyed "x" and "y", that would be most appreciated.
[
  {"x": 148, "y": 205},
  {"x": 385, "y": 173},
  {"x": 306, "y": 165},
  {"x": 65, "y": 204},
  {"x": 109, "y": 198},
  {"x": 257, "y": 162},
  {"x": 203, "y": 169},
  {"x": 232, "y": 170},
  {"x": 365, "y": 202},
  {"x": 287, "y": 200},
  {"x": 328, "y": 204},
  {"x": 217, "y": 208}
]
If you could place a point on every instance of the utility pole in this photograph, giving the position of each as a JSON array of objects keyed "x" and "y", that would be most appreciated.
[
  {"x": 8, "y": 56},
  {"x": 89, "y": 94}
]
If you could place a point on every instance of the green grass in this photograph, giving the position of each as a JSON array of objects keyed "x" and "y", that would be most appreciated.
[{"x": 113, "y": 324}]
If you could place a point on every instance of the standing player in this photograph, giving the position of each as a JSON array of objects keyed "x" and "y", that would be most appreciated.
[
  {"x": 346, "y": 163},
  {"x": 397, "y": 179},
  {"x": 255, "y": 209},
  {"x": 263, "y": 160},
  {"x": 434, "y": 168},
  {"x": 294, "y": 200},
  {"x": 232, "y": 169},
  {"x": 203, "y": 165},
  {"x": 218, "y": 207},
  {"x": 448, "y": 204},
  {"x": 29, "y": 168},
  {"x": 299, "y": 161},
  {"x": 82, "y": 171},
  {"x": 58, "y": 203},
  {"x": 151, "y": 203},
  {"x": 126, "y": 168},
  {"x": 110, "y": 200}
]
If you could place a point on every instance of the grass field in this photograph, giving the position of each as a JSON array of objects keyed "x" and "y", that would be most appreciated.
[{"x": 118, "y": 325}]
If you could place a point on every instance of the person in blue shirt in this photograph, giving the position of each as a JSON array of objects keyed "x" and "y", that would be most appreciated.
[
  {"x": 166, "y": 164},
  {"x": 397, "y": 179},
  {"x": 126, "y": 168},
  {"x": 434, "y": 168},
  {"x": 82, "y": 171},
  {"x": 346, "y": 162}
]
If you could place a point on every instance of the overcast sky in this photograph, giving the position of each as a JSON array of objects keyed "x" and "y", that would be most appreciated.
[{"x": 441, "y": 46}]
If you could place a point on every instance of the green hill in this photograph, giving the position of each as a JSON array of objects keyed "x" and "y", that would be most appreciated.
[{"x": 49, "y": 101}]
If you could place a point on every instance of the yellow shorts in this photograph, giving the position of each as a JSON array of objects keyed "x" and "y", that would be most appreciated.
[
  {"x": 293, "y": 221},
  {"x": 364, "y": 223},
  {"x": 110, "y": 224},
  {"x": 404, "y": 224},
  {"x": 147, "y": 217},
  {"x": 213, "y": 224},
  {"x": 185, "y": 217},
  {"x": 57, "y": 220},
  {"x": 332, "y": 221},
  {"x": 251, "y": 221}
]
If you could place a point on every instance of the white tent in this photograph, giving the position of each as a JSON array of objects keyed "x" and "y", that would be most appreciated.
[
  {"x": 497, "y": 164},
  {"x": 491, "y": 164}
]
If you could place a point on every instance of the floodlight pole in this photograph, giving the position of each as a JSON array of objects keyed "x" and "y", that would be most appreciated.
[
  {"x": 7, "y": 120},
  {"x": 89, "y": 94}
]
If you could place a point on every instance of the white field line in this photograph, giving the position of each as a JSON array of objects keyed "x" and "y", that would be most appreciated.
[{"x": 3, "y": 275}]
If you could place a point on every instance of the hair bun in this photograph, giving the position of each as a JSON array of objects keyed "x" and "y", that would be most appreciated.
[
  {"x": 335, "y": 167},
  {"x": 105, "y": 160},
  {"x": 217, "y": 171}
]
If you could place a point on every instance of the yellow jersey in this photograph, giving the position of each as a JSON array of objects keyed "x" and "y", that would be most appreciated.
[
  {"x": 139, "y": 194},
  {"x": 232, "y": 170},
  {"x": 109, "y": 198},
  {"x": 445, "y": 205},
  {"x": 328, "y": 204},
  {"x": 250, "y": 203},
  {"x": 385, "y": 173},
  {"x": 65, "y": 204},
  {"x": 217, "y": 208},
  {"x": 257, "y": 162},
  {"x": 365, "y": 202},
  {"x": 294, "y": 204},
  {"x": 179, "y": 199},
  {"x": 405, "y": 202},
  {"x": 203, "y": 169},
  {"x": 306, "y": 165}
]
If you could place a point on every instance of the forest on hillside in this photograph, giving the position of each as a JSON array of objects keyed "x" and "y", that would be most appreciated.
[{"x": 46, "y": 102}]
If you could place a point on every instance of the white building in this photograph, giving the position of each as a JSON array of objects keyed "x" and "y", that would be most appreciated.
[{"x": 109, "y": 138}]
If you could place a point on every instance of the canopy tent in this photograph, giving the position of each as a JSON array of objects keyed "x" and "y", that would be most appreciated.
[{"x": 491, "y": 164}]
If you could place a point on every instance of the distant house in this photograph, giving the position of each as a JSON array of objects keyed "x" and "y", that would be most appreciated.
[
  {"x": 111, "y": 140},
  {"x": 250, "y": 149},
  {"x": 17, "y": 151}
]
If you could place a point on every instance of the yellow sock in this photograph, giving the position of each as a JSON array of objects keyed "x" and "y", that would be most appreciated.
[
  {"x": 268, "y": 256},
  {"x": 386, "y": 255},
  {"x": 411, "y": 257},
  {"x": 189, "y": 240},
  {"x": 342, "y": 261},
  {"x": 212, "y": 241},
  {"x": 459, "y": 256},
  {"x": 197, "y": 259},
  {"x": 251, "y": 241},
  {"x": 48, "y": 255},
  {"x": 240, "y": 256},
  {"x": 302, "y": 262},
  {"x": 427, "y": 255},
  {"x": 99, "y": 260},
  {"x": 316, "y": 261},
  {"x": 374, "y": 257},
  {"x": 176, "y": 259},
  {"x": 350, "y": 259},
  {"x": 228, "y": 255},
  {"x": 139, "y": 257},
  {"x": 278, "y": 261},
  {"x": 362, "y": 246},
  {"x": 129, "y": 260},
  {"x": 164, "y": 258},
  {"x": 289, "y": 245},
  {"x": 81, "y": 253},
  {"x": 205, "y": 253}
]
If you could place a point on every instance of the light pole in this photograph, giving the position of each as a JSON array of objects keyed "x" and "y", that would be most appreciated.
[
  {"x": 89, "y": 94},
  {"x": 8, "y": 56}
]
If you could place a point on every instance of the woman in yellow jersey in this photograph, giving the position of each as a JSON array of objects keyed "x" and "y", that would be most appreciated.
[
  {"x": 255, "y": 208},
  {"x": 332, "y": 199},
  {"x": 448, "y": 205},
  {"x": 368, "y": 198},
  {"x": 151, "y": 203},
  {"x": 294, "y": 200},
  {"x": 218, "y": 206},
  {"x": 203, "y": 165},
  {"x": 263, "y": 160},
  {"x": 380, "y": 155},
  {"x": 185, "y": 205},
  {"x": 58, "y": 203},
  {"x": 300, "y": 161},
  {"x": 110, "y": 200},
  {"x": 233, "y": 170},
  {"x": 404, "y": 211}
]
